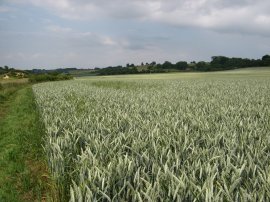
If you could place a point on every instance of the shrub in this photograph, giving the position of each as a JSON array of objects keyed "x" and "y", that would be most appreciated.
[{"x": 49, "y": 77}]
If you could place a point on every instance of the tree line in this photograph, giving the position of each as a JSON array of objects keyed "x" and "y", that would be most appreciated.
[
  {"x": 11, "y": 71},
  {"x": 217, "y": 63},
  {"x": 34, "y": 75}
]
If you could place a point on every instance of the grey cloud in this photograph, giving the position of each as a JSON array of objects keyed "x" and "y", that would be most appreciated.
[
  {"x": 5, "y": 9},
  {"x": 111, "y": 32},
  {"x": 238, "y": 15}
]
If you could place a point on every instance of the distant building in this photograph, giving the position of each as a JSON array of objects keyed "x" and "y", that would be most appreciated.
[
  {"x": 20, "y": 74},
  {"x": 6, "y": 76}
]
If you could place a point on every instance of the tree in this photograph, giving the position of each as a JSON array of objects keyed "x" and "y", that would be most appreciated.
[
  {"x": 266, "y": 60},
  {"x": 202, "y": 66},
  {"x": 266, "y": 57},
  {"x": 219, "y": 62},
  {"x": 182, "y": 65},
  {"x": 153, "y": 63},
  {"x": 167, "y": 65},
  {"x": 159, "y": 66}
]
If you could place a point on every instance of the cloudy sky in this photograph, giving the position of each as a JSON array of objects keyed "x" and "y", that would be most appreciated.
[{"x": 98, "y": 33}]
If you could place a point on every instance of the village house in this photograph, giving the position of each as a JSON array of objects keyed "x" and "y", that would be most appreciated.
[
  {"x": 20, "y": 74},
  {"x": 6, "y": 76}
]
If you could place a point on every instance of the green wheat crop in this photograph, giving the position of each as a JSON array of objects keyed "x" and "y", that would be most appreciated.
[{"x": 158, "y": 140}]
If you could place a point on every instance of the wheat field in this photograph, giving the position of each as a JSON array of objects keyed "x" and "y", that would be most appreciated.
[{"x": 174, "y": 139}]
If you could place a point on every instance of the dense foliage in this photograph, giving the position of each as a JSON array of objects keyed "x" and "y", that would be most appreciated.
[
  {"x": 49, "y": 77},
  {"x": 217, "y": 63},
  {"x": 11, "y": 72},
  {"x": 158, "y": 140}
]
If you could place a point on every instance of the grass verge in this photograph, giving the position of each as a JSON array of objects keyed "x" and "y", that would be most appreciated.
[{"x": 23, "y": 170}]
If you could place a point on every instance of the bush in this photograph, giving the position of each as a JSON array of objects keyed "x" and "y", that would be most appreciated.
[{"x": 49, "y": 77}]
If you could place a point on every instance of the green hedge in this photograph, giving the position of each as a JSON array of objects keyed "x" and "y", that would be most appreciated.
[{"x": 49, "y": 77}]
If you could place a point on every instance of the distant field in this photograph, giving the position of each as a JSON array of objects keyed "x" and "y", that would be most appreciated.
[
  {"x": 159, "y": 137},
  {"x": 238, "y": 73},
  {"x": 80, "y": 73}
]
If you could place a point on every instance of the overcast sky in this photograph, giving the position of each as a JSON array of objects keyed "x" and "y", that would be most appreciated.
[{"x": 98, "y": 33}]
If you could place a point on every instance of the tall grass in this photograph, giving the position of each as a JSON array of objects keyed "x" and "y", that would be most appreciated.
[
  {"x": 192, "y": 140},
  {"x": 9, "y": 88},
  {"x": 23, "y": 171}
]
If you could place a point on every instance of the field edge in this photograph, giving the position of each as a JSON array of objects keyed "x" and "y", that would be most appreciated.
[{"x": 24, "y": 174}]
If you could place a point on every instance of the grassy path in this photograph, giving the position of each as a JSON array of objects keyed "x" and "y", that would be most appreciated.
[{"x": 23, "y": 171}]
